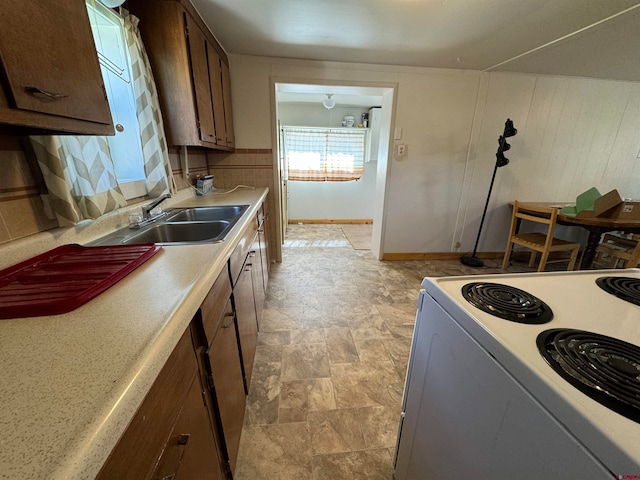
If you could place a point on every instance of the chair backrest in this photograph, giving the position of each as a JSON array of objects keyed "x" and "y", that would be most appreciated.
[{"x": 535, "y": 213}]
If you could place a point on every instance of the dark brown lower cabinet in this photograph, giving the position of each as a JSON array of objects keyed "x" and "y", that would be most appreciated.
[
  {"x": 191, "y": 451},
  {"x": 222, "y": 359},
  {"x": 246, "y": 315},
  {"x": 218, "y": 353},
  {"x": 190, "y": 422},
  {"x": 170, "y": 433}
]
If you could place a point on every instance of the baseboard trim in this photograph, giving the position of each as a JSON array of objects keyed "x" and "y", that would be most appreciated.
[
  {"x": 364, "y": 221},
  {"x": 438, "y": 256}
]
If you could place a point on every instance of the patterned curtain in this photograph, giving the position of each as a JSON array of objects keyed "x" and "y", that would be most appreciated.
[
  {"x": 324, "y": 154},
  {"x": 79, "y": 175},
  {"x": 154, "y": 144}
]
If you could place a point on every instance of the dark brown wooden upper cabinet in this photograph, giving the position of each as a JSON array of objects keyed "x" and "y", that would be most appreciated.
[
  {"x": 189, "y": 68},
  {"x": 50, "y": 80}
]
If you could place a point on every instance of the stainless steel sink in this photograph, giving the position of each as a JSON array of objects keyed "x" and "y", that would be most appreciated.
[
  {"x": 206, "y": 214},
  {"x": 180, "y": 226},
  {"x": 187, "y": 232}
]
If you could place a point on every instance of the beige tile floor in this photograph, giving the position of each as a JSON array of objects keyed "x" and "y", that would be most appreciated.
[{"x": 333, "y": 346}]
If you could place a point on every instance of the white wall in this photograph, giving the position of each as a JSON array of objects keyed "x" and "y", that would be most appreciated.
[
  {"x": 574, "y": 133},
  {"x": 328, "y": 200}
]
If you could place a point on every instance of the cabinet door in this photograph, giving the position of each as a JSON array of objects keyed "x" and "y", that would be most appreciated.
[
  {"x": 223, "y": 358},
  {"x": 215, "y": 77},
  {"x": 188, "y": 73},
  {"x": 226, "y": 92},
  {"x": 191, "y": 451},
  {"x": 246, "y": 315},
  {"x": 40, "y": 45},
  {"x": 200, "y": 77},
  {"x": 137, "y": 452}
]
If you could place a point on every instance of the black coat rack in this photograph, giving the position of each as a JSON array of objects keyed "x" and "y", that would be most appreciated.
[{"x": 501, "y": 161}]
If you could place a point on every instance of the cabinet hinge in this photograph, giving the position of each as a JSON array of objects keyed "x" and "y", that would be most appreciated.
[
  {"x": 204, "y": 398},
  {"x": 186, "y": 30},
  {"x": 210, "y": 381}
]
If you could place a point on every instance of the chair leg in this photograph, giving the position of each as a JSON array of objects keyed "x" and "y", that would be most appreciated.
[
  {"x": 543, "y": 261},
  {"x": 572, "y": 260},
  {"x": 532, "y": 258},
  {"x": 507, "y": 255}
]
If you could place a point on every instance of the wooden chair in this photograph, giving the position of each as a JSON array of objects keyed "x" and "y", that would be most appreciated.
[
  {"x": 545, "y": 243},
  {"x": 617, "y": 252}
]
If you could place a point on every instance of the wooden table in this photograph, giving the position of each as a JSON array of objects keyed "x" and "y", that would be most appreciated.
[{"x": 595, "y": 226}]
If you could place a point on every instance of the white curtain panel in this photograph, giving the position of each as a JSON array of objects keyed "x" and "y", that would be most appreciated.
[
  {"x": 154, "y": 144},
  {"x": 79, "y": 175}
]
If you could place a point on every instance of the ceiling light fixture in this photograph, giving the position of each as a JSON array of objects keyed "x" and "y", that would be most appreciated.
[{"x": 329, "y": 102}]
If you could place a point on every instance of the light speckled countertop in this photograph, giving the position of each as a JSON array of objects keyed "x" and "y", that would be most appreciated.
[{"x": 69, "y": 384}]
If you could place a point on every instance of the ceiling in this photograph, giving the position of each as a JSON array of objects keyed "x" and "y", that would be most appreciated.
[{"x": 588, "y": 38}]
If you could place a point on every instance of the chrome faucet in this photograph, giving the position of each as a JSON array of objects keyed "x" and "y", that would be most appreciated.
[{"x": 146, "y": 210}]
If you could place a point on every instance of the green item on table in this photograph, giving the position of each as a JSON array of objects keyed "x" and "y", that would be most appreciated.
[{"x": 584, "y": 201}]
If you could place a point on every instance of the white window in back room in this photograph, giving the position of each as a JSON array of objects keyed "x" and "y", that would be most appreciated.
[
  {"x": 126, "y": 147},
  {"x": 324, "y": 154}
]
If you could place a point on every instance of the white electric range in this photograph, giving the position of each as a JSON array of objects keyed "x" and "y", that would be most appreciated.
[{"x": 481, "y": 401}]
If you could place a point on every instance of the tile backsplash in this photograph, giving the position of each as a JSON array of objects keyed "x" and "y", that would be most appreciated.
[
  {"x": 249, "y": 167},
  {"x": 21, "y": 208}
]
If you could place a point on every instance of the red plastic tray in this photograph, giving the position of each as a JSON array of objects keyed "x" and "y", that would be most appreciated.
[{"x": 66, "y": 277}]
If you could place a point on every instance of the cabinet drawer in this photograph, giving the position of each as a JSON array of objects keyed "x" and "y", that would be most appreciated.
[
  {"x": 214, "y": 305},
  {"x": 137, "y": 452},
  {"x": 240, "y": 252}
]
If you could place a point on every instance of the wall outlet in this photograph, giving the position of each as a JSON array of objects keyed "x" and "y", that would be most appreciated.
[{"x": 401, "y": 151}]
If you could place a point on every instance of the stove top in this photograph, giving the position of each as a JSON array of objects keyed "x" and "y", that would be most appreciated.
[
  {"x": 507, "y": 302},
  {"x": 577, "y": 303},
  {"x": 604, "y": 368}
]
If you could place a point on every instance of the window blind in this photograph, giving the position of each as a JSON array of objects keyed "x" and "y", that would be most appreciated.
[{"x": 324, "y": 154}]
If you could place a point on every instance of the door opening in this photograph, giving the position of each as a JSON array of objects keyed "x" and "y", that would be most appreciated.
[{"x": 297, "y": 104}]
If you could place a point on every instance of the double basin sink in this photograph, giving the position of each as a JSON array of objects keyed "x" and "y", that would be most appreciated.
[{"x": 190, "y": 225}]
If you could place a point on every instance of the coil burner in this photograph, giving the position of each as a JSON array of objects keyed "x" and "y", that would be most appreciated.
[
  {"x": 507, "y": 302},
  {"x": 604, "y": 368},
  {"x": 626, "y": 288}
]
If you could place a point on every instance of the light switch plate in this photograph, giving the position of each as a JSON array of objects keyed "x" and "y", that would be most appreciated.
[{"x": 397, "y": 134}]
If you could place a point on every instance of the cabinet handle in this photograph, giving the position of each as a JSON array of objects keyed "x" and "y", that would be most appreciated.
[
  {"x": 228, "y": 315},
  {"x": 172, "y": 464},
  {"x": 38, "y": 92}
]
